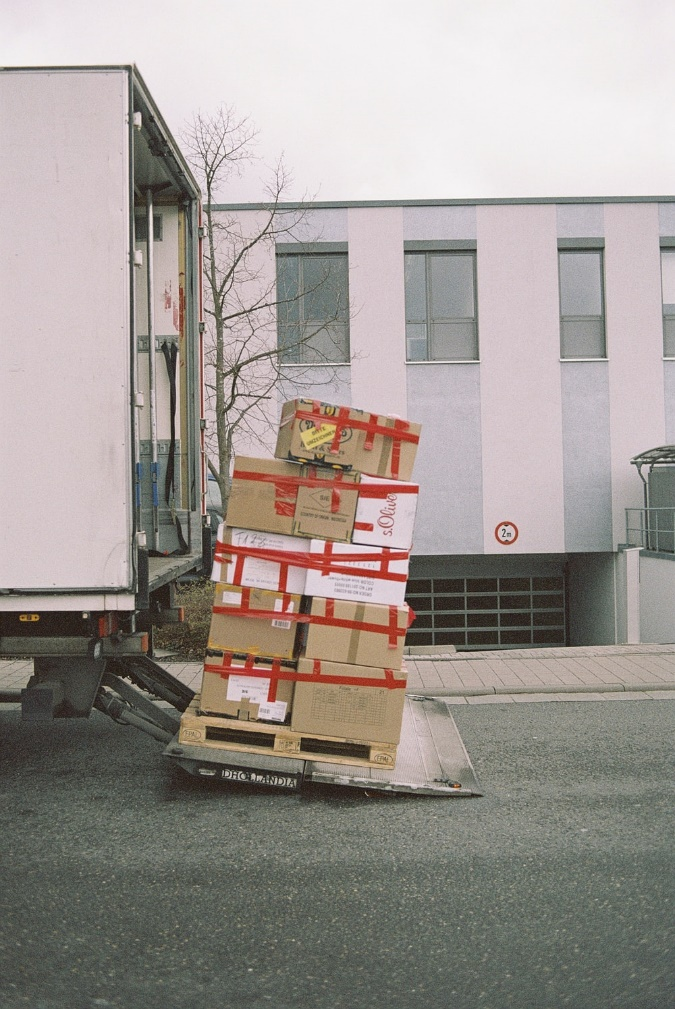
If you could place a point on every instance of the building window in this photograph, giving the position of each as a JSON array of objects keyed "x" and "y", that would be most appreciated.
[
  {"x": 668, "y": 294},
  {"x": 313, "y": 308},
  {"x": 582, "y": 309},
  {"x": 440, "y": 306},
  {"x": 141, "y": 227}
]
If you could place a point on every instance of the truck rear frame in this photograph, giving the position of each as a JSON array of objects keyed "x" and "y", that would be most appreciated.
[{"x": 102, "y": 497}]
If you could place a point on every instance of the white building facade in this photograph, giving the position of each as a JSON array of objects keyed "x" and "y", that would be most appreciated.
[{"x": 534, "y": 340}]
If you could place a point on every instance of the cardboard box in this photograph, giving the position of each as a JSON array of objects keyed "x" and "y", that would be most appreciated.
[
  {"x": 294, "y": 500},
  {"x": 268, "y": 495},
  {"x": 246, "y": 557},
  {"x": 385, "y": 513},
  {"x": 229, "y": 688},
  {"x": 383, "y": 446},
  {"x": 345, "y": 705},
  {"x": 362, "y": 634},
  {"x": 360, "y": 573},
  {"x": 326, "y": 504},
  {"x": 254, "y": 621}
]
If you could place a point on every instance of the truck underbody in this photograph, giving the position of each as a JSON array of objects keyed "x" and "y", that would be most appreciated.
[
  {"x": 135, "y": 690},
  {"x": 102, "y": 410}
]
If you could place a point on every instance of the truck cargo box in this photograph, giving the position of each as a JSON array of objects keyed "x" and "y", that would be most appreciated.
[{"x": 100, "y": 382}]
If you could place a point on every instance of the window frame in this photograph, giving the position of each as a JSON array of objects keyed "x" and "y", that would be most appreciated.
[
  {"x": 576, "y": 248},
  {"x": 427, "y": 251},
  {"x": 302, "y": 252},
  {"x": 141, "y": 226},
  {"x": 667, "y": 246}
]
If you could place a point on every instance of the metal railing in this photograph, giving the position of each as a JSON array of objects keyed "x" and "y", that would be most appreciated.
[{"x": 651, "y": 529}]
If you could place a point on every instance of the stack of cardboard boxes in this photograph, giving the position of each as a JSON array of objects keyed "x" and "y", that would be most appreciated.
[{"x": 309, "y": 618}]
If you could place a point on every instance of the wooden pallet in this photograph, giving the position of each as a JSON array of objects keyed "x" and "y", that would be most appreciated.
[{"x": 223, "y": 733}]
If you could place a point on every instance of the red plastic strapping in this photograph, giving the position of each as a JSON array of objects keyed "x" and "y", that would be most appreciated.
[
  {"x": 227, "y": 668},
  {"x": 399, "y": 432},
  {"x": 382, "y": 490},
  {"x": 276, "y": 673},
  {"x": 317, "y": 676},
  {"x": 328, "y": 619},
  {"x": 259, "y": 614},
  {"x": 342, "y": 416},
  {"x": 326, "y": 562},
  {"x": 393, "y": 627},
  {"x": 274, "y": 680},
  {"x": 225, "y": 553},
  {"x": 370, "y": 433},
  {"x": 395, "y": 457},
  {"x": 327, "y": 554},
  {"x": 286, "y": 488}
]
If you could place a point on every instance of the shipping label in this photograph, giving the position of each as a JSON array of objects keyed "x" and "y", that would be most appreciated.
[
  {"x": 284, "y": 625},
  {"x": 314, "y": 437}
]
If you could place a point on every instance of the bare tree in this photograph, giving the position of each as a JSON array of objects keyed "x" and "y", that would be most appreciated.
[{"x": 243, "y": 359}]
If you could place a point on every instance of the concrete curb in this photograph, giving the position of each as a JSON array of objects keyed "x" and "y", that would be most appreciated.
[{"x": 582, "y": 688}]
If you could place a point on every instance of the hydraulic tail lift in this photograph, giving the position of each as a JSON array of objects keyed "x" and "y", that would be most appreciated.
[
  {"x": 431, "y": 760},
  {"x": 136, "y": 690}
]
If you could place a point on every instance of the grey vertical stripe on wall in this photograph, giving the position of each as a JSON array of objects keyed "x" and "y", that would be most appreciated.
[
  {"x": 445, "y": 400},
  {"x": 586, "y": 456},
  {"x": 439, "y": 223},
  {"x": 580, "y": 220},
  {"x": 667, "y": 219},
  {"x": 669, "y": 382}
]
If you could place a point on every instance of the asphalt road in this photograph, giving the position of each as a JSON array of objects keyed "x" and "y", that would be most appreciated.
[{"x": 125, "y": 885}]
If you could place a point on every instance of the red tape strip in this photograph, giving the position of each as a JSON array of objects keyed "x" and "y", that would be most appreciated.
[
  {"x": 291, "y": 483},
  {"x": 383, "y": 490},
  {"x": 317, "y": 676},
  {"x": 391, "y": 628},
  {"x": 227, "y": 668},
  {"x": 318, "y": 562},
  {"x": 399, "y": 432}
]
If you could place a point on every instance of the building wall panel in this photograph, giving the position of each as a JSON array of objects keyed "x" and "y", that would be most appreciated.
[
  {"x": 521, "y": 408},
  {"x": 634, "y": 346},
  {"x": 669, "y": 394},
  {"x": 586, "y": 456},
  {"x": 377, "y": 303},
  {"x": 657, "y": 591},
  {"x": 428, "y": 224},
  {"x": 445, "y": 400},
  {"x": 580, "y": 220}
]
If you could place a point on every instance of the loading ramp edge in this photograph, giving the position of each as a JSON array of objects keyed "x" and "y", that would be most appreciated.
[{"x": 432, "y": 760}]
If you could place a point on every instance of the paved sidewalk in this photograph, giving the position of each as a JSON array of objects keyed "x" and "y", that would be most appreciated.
[
  {"x": 612, "y": 672},
  {"x": 609, "y": 672}
]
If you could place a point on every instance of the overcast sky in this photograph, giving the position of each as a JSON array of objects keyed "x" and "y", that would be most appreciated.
[{"x": 388, "y": 99}]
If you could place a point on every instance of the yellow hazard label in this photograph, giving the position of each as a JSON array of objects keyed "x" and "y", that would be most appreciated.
[
  {"x": 313, "y": 437},
  {"x": 29, "y": 618}
]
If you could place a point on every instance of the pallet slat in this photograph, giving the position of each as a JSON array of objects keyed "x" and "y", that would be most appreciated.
[{"x": 279, "y": 740}]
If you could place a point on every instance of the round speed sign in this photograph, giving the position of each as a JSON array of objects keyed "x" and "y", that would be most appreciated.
[{"x": 506, "y": 533}]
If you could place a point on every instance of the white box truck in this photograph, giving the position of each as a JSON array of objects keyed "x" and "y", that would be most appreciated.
[
  {"x": 102, "y": 465},
  {"x": 102, "y": 475}
]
